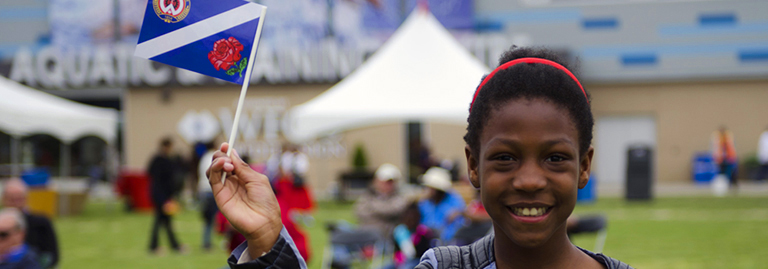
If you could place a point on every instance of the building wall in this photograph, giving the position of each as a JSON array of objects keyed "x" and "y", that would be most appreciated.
[
  {"x": 686, "y": 114},
  {"x": 621, "y": 41},
  {"x": 153, "y": 113},
  {"x": 150, "y": 114}
]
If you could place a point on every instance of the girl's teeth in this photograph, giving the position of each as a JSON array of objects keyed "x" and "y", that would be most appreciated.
[{"x": 530, "y": 212}]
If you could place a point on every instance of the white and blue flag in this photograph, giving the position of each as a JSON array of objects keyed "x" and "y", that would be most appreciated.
[{"x": 211, "y": 37}]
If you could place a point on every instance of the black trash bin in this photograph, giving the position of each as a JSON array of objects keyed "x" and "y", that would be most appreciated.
[{"x": 639, "y": 173}]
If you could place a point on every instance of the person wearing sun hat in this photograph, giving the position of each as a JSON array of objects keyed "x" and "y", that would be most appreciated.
[
  {"x": 442, "y": 208},
  {"x": 381, "y": 206}
]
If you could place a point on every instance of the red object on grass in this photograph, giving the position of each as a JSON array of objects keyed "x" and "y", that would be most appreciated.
[{"x": 134, "y": 186}]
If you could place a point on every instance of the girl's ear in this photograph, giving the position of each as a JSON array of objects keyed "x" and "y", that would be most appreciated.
[
  {"x": 472, "y": 167},
  {"x": 585, "y": 167}
]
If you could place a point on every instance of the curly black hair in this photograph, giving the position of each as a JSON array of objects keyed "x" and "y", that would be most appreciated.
[{"x": 530, "y": 81}]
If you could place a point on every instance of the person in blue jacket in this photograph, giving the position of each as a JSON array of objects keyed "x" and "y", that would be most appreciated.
[{"x": 442, "y": 209}]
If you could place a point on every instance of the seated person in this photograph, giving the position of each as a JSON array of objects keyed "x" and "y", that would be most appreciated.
[
  {"x": 442, "y": 208},
  {"x": 40, "y": 236},
  {"x": 378, "y": 209},
  {"x": 382, "y": 205},
  {"x": 14, "y": 253}
]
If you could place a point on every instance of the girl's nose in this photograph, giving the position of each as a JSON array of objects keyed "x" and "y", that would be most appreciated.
[{"x": 530, "y": 178}]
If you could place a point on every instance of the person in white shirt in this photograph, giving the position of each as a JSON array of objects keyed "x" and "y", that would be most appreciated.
[
  {"x": 208, "y": 206},
  {"x": 762, "y": 155}
]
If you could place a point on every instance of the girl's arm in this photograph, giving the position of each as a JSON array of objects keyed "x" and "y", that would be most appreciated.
[{"x": 247, "y": 201}]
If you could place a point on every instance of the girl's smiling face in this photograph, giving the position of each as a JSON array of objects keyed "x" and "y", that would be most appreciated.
[{"x": 528, "y": 169}]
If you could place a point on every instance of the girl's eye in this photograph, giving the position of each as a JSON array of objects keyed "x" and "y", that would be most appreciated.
[
  {"x": 556, "y": 158},
  {"x": 504, "y": 157}
]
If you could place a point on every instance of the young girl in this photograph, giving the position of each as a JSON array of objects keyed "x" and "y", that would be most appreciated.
[{"x": 528, "y": 151}]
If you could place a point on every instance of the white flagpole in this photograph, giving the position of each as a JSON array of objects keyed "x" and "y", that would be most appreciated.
[{"x": 244, "y": 89}]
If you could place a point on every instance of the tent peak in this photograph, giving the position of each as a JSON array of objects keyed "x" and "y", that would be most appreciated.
[
  {"x": 421, "y": 73},
  {"x": 423, "y": 6}
]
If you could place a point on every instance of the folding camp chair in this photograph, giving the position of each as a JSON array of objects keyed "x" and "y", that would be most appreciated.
[{"x": 349, "y": 246}]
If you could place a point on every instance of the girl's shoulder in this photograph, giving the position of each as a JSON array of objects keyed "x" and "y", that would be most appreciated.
[{"x": 608, "y": 262}]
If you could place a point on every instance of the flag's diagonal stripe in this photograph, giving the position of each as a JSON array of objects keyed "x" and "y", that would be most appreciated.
[{"x": 197, "y": 31}]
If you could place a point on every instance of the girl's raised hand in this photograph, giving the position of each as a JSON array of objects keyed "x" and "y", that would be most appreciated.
[{"x": 246, "y": 200}]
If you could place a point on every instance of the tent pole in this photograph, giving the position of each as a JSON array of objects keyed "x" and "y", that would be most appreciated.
[
  {"x": 65, "y": 159},
  {"x": 15, "y": 171}
]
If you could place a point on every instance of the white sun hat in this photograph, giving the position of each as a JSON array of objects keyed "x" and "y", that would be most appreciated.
[
  {"x": 388, "y": 171},
  {"x": 437, "y": 178}
]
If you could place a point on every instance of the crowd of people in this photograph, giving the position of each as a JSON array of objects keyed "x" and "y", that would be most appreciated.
[{"x": 414, "y": 224}]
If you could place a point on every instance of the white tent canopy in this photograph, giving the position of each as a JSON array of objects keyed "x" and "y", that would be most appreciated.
[
  {"x": 26, "y": 111},
  {"x": 420, "y": 74}
]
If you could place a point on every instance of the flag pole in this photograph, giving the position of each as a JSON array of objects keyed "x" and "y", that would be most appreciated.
[{"x": 244, "y": 89}]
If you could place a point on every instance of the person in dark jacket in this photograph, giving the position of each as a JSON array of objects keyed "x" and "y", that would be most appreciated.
[
  {"x": 40, "y": 236},
  {"x": 162, "y": 172},
  {"x": 528, "y": 150},
  {"x": 14, "y": 253}
]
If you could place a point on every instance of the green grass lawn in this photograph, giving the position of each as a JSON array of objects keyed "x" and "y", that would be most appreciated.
[{"x": 667, "y": 233}]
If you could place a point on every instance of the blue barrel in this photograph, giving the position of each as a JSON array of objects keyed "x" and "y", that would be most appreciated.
[
  {"x": 589, "y": 193},
  {"x": 703, "y": 168},
  {"x": 37, "y": 177}
]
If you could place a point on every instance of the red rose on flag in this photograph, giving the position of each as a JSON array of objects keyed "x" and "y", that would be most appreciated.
[{"x": 225, "y": 53}]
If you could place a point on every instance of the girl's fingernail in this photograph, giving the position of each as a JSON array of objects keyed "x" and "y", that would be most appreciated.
[{"x": 228, "y": 166}]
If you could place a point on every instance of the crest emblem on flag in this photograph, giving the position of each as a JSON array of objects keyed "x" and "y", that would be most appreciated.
[{"x": 171, "y": 11}]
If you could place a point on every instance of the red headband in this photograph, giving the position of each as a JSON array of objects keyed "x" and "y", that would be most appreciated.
[{"x": 528, "y": 60}]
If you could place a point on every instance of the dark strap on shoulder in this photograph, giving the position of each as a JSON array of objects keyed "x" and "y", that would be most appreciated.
[
  {"x": 449, "y": 257},
  {"x": 476, "y": 255},
  {"x": 610, "y": 263},
  {"x": 616, "y": 264},
  {"x": 482, "y": 252}
]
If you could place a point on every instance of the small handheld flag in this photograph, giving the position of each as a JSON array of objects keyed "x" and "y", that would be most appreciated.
[
  {"x": 217, "y": 38},
  {"x": 211, "y": 37}
]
